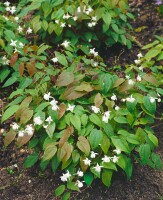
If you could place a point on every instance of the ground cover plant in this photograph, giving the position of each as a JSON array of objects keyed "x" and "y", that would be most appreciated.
[{"x": 75, "y": 114}]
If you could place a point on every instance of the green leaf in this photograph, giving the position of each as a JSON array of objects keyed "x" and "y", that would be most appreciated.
[
  {"x": 121, "y": 161},
  {"x": 153, "y": 139},
  {"x": 55, "y": 163},
  {"x": 76, "y": 122},
  {"x": 110, "y": 165},
  {"x": 66, "y": 196},
  {"x": 72, "y": 186},
  {"x": 46, "y": 7},
  {"x": 151, "y": 107},
  {"x": 50, "y": 129},
  {"x": 9, "y": 112},
  {"x": 61, "y": 59},
  {"x": 44, "y": 164},
  {"x": 88, "y": 178},
  {"x": 31, "y": 160},
  {"x": 107, "y": 18},
  {"x": 84, "y": 119},
  {"x": 42, "y": 106},
  {"x": 108, "y": 130},
  {"x": 106, "y": 82},
  {"x": 157, "y": 160},
  {"x": 95, "y": 138},
  {"x": 60, "y": 190},
  {"x": 50, "y": 151},
  {"x": 105, "y": 144},
  {"x": 145, "y": 152},
  {"x": 95, "y": 119},
  {"x": 152, "y": 53},
  {"x": 133, "y": 139},
  {"x": 115, "y": 28},
  {"x": 128, "y": 168},
  {"x": 10, "y": 81},
  {"x": 121, "y": 120},
  {"x": 106, "y": 177},
  {"x": 120, "y": 143}
]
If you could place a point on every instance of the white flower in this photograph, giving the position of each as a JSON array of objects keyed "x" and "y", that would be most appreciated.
[
  {"x": 5, "y": 60},
  {"x": 16, "y": 18},
  {"x": 37, "y": 120},
  {"x": 140, "y": 55},
  {"x": 152, "y": 99},
  {"x": 69, "y": 25},
  {"x": 67, "y": 16},
  {"x": 127, "y": 76},
  {"x": 123, "y": 100},
  {"x": 75, "y": 18},
  {"x": 6, "y": 3},
  {"x": 8, "y": 8},
  {"x": 29, "y": 129},
  {"x": 94, "y": 18},
  {"x": 138, "y": 78},
  {"x": 90, "y": 25},
  {"x": 16, "y": 50},
  {"x": 93, "y": 154},
  {"x": 63, "y": 24},
  {"x": 53, "y": 102},
  {"x": 159, "y": 100},
  {"x": 6, "y": 18},
  {"x": 57, "y": 21},
  {"x": 13, "y": 43},
  {"x": 95, "y": 64},
  {"x": 115, "y": 159},
  {"x": 137, "y": 61},
  {"x": 55, "y": 107},
  {"x": 29, "y": 30},
  {"x": 78, "y": 9},
  {"x": 21, "y": 45},
  {"x": 95, "y": 109},
  {"x": 114, "y": 97},
  {"x": 141, "y": 68},
  {"x": 90, "y": 9},
  {"x": 92, "y": 51},
  {"x": 65, "y": 43},
  {"x": 98, "y": 168},
  {"x": 12, "y": 9},
  {"x": 47, "y": 96},
  {"x": 87, "y": 161},
  {"x": 130, "y": 82},
  {"x": 55, "y": 59},
  {"x": 49, "y": 119},
  {"x": 45, "y": 126},
  {"x": 15, "y": 126},
  {"x": 79, "y": 183},
  {"x": 20, "y": 29},
  {"x": 130, "y": 99},
  {"x": 94, "y": 23},
  {"x": 106, "y": 159},
  {"x": 117, "y": 151},
  {"x": 80, "y": 173},
  {"x": 65, "y": 177},
  {"x": 117, "y": 108},
  {"x": 21, "y": 133},
  {"x": 106, "y": 116},
  {"x": 70, "y": 108}
]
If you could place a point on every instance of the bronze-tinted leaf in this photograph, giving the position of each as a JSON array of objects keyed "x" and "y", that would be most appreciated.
[
  {"x": 86, "y": 87},
  {"x": 150, "y": 78},
  {"x": 25, "y": 139},
  {"x": 9, "y": 137},
  {"x": 31, "y": 68},
  {"x": 118, "y": 82},
  {"x": 83, "y": 145},
  {"x": 26, "y": 115},
  {"x": 67, "y": 132},
  {"x": 124, "y": 87},
  {"x": 13, "y": 59},
  {"x": 71, "y": 94},
  {"x": 98, "y": 100},
  {"x": 82, "y": 165},
  {"x": 68, "y": 148},
  {"x": 61, "y": 110},
  {"x": 50, "y": 151},
  {"x": 65, "y": 78},
  {"x": 21, "y": 68}
]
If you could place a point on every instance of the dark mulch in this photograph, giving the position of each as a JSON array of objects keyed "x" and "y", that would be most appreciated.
[{"x": 146, "y": 184}]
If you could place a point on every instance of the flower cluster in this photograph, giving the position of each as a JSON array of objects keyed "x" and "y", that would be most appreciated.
[{"x": 29, "y": 129}]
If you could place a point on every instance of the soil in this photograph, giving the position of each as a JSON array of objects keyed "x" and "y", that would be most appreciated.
[{"x": 17, "y": 183}]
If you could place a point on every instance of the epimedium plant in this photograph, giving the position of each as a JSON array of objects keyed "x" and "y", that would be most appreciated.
[
  {"x": 89, "y": 122},
  {"x": 76, "y": 115},
  {"x": 82, "y": 22}
]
